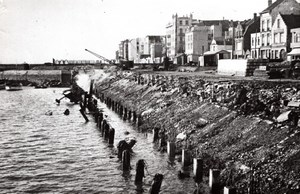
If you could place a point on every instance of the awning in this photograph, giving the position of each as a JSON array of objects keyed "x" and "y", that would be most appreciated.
[
  {"x": 294, "y": 52},
  {"x": 215, "y": 52}
]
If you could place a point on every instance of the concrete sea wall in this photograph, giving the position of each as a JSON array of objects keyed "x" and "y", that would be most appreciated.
[{"x": 37, "y": 76}]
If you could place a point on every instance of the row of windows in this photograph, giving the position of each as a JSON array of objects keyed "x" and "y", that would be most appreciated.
[
  {"x": 296, "y": 38},
  {"x": 182, "y": 22},
  {"x": 265, "y": 25},
  {"x": 278, "y": 38},
  {"x": 190, "y": 46},
  {"x": 255, "y": 41},
  {"x": 267, "y": 54},
  {"x": 190, "y": 37}
]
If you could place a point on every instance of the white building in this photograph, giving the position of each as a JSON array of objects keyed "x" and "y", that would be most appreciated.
[
  {"x": 175, "y": 33},
  {"x": 255, "y": 45},
  {"x": 196, "y": 42}
]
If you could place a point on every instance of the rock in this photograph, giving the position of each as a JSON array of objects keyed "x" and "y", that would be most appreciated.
[
  {"x": 181, "y": 136},
  {"x": 283, "y": 117}
]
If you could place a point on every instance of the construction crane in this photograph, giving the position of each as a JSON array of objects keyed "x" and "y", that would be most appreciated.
[{"x": 99, "y": 56}]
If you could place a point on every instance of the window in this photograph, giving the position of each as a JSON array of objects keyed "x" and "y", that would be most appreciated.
[
  {"x": 276, "y": 38},
  {"x": 262, "y": 39},
  {"x": 268, "y": 25},
  {"x": 282, "y": 38},
  {"x": 180, "y": 22},
  {"x": 297, "y": 37},
  {"x": 278, "y": 23},
  {"x": 268, "y": 38},
  {"x": 258, "y": 41},
  {"x": 186, "y": 22},
  {"x": 180, "y": 31},
  {"x": 252, "y": 41},
  {"x": 263, "y": 25}
]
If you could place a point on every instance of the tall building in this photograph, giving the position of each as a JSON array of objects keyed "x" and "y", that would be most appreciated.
[
  {"x": 144, "y": 50},
  {"x": 123, "y": 50},
  {"x": 267, "y": 20},
  {"x": 196, "y": 42},
  {"x": 281, "y": 33},
  {"x": 175, "y": 34}
]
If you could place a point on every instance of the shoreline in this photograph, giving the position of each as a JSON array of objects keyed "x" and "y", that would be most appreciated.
[{"x": 229, "y": 132}]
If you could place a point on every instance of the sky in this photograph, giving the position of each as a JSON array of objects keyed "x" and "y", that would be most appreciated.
[{"x": 35, "y": 31}]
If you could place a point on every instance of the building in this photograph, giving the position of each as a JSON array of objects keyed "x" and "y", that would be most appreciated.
[
  {"x": 141, "y": 50},
  {"x": 255, "y": 45},
  {"x": 252, "y": 26},
  {"x": 295, "y": 44},
  {"x": 156, "y": 52},
  {"x": 267, "y": 19},
  {"x": 219, "y": 44},
  {"x": 281, "y": 33},
  {"x": 196, "y": 42},
  {"x": 200, "y": 35},
  {"x": 134, "y": 49},
  {"x": 175, "y": 33},
  {"x": 219, "y": 49},
  {"x": 123, "y": 50}
]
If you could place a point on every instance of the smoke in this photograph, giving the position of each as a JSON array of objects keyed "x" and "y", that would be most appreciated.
[{"x": 83, "y": 81}]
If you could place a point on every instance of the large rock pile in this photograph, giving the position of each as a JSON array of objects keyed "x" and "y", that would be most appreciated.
[{"x": 247, "y": 129}]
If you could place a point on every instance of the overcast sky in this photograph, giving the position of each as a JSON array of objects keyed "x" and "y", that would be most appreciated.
[{"x": 35, "y": 31}]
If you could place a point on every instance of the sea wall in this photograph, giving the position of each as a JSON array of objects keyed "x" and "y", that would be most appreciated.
[
  {"x": 244, "y": 128},
  {"x": 37, "y": 76}
]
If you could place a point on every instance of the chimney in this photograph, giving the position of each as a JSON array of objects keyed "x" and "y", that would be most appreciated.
[
  {"x": 269, "y": 3},
  {"x": 254, "y": 16}
]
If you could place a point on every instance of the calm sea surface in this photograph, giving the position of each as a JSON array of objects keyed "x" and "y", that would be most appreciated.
[{"x": 40, "y": 153}]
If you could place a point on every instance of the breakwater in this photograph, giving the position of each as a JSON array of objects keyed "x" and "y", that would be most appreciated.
[
  {"x": 37, "y": 76},
  {"x": 243, "y": 128}
]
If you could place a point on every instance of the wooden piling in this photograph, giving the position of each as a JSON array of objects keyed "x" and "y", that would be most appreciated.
[
  {"x": 125, "y": 114},
  {"x": 106, "y": 131},
  {"x": 140, "y": 174},
  {"x": 129, "y": 115},
  {"x": 185, "y": 158},
  {"x": 155, "y": 134},
  {"x": 156, "y": 184},
  {"x": 134, "y": 116},
  {"x": 126, "y": 160},
  {"x": 111, "y": 137},
  {"x": 104, "y": 122},
  {"x": 198, "y": 169},
  {"x": 214, "y": 180},
  {"x": 229, "y": 190},
  {"x": 83, "y": 114},
  {"x": 171, "y": 148}
]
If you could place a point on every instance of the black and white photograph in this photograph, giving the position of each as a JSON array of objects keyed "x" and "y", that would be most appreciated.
[{"x": 149, "y": 97}]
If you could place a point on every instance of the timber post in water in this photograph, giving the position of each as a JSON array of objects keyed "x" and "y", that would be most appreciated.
[
  {"x": 140, "y": 173},
  {"x": 171, "y": 147},
  {"x": 229, "y": 190},
  {"x": 126, "y": 160},
  {"x": 198, "y": 170},
  {"x": 156, "y": 184},
  {"x": 214, "y": 181},
  {"x": 111, "y": 137}
]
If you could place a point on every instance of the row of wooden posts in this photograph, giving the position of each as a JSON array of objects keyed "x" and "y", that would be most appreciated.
[{"x": 108, "y": 133}]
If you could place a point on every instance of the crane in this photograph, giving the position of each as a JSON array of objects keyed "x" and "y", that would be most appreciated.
[{"x": 99, "y": 56}]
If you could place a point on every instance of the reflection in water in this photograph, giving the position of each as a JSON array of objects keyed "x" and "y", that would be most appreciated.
[{"x": 58, "y": 153}]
